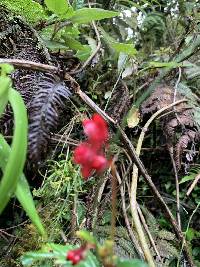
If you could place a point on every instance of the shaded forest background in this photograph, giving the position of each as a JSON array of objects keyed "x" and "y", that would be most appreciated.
[{"x": 138, "y": 65}]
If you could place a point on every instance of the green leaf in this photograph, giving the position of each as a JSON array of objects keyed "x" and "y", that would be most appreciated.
[
  {"x": 83, "y": 54},
  {"x": 72, "y": 31},
  {"x": 55, "y": 45},
  {"x": 86, "y": 15},
  {"x": 17, "y": 157},
  {"x": 131, "y": 263},
  {"x": 190, "y": 234},
  {"x": 92, "y": 43},
  {"x": 83, "y": 51},
  {"x": 188, "y": 178},
  {"x": 74, "y": 44},
  {"x": 128, "y": 49},
  {"x": 6, "y": 69},
  {"x": 86, "y": 236},
  {"x": 59, "y": 7}
]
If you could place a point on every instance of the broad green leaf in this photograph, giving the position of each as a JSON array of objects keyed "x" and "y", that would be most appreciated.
[
  {"x": 83, "y": 51},
  {"x": 83, "y": 54},
  {"x": 72, "y": 31},
  {"x": 17, "y": 157},
  {"x": 86, "y": 15},
  {"x": 59, "y": 7},
  {"x": 131, "y": 263},
  {"x": 188, "y": 178},
  {"x": 74, "y": 44},
  {"x": 106, "y": 36},
  {"x": 128, "y": 49}
]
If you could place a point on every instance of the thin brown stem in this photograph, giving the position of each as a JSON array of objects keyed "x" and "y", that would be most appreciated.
[
  {"x": 59, "y": 26},
  {"x": 171, "y": 152},
  {"x": 31, "y": 65}
]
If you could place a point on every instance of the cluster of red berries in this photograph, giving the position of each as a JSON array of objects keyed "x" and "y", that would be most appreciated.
[
  {"x": 76, "y": 255},
  {"x": 89, "y": 154}
]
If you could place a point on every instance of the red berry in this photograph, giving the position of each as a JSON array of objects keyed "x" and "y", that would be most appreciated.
[
  {"x": 96, "y": 129},
  {"x": 99, "y": 163},
  {"x": 83, "y": 154},
  {"x": 76, "y": 255}
]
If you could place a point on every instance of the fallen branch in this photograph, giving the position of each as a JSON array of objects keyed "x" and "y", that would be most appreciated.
[{"x": 30, "y": 65}]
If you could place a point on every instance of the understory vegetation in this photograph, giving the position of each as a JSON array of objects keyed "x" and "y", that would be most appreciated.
[{"x": 99, "y": 133}]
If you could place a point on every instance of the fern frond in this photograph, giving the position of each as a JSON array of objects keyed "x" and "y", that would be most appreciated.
[
  {"x": 45, "y": 108},
  {"x": 193, "y": 72}
]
